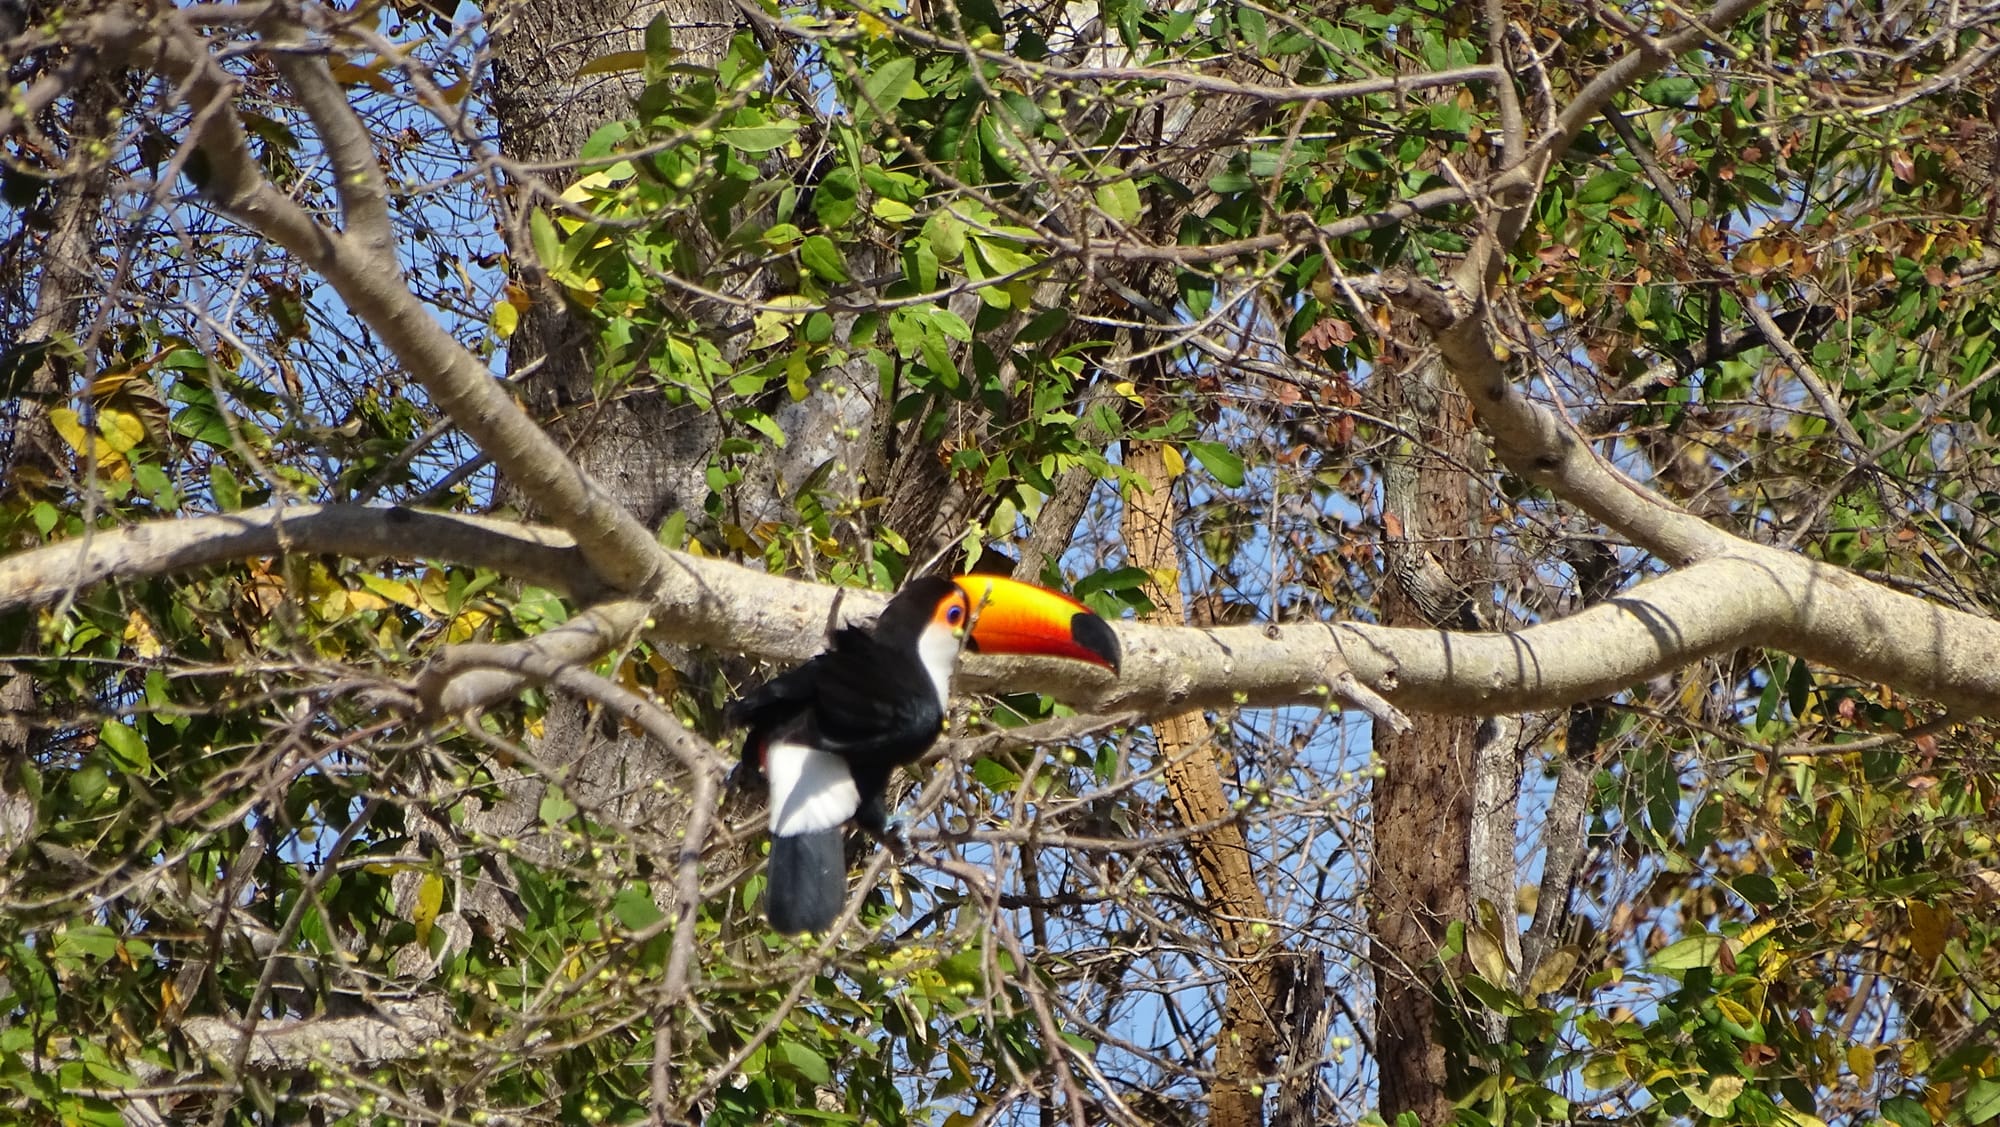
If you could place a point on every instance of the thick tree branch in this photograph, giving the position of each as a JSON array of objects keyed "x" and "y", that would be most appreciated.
[
  {"x": 1540, "y": 445},
  {"x": 357, "y": 176},
  {"x": 370, "y": 280},
  {"x": 539, "y": 555},
  {"x": 394, "y": 1030},
  {"x": 1746, "y": 596}
]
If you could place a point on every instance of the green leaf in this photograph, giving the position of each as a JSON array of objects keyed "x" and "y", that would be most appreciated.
[
  {"x": 91, "y": 941},
  {"x": 995, "y": 776},
  {"x": 946, "y": 233},
  {"x": 1220, "y": 461},
  {"x": 808, "y": 1064},
  {"x": 888, "y": 84},
  {"x": 92, "y": 1112},
  {"x": 1606, "y": 1071},
  {"x": 556, "y": 809},
  {"x": 153, "y": 481},
  {"x": 1671, "y": 91},
  {"x": 1046, "y": 324},
  {"x": 542, "y": 233},
  {"x": 761, "y": 138},
  {"x": 223, "y": 486},
  {"x": 1119, "y": 200},
  {"x": 1688, "y": 954},
  {"x": 1251, "y": 21},
  {"x": 999, "y": 258},
  {"x": 1367, "y": 159},
  {"x": 1982, "y": 1100},
  {"x": 1603, "y": 188},
  {"x": 821, "y": 257},
  {"x": 891, "y": 211},
  {"x": 125, "y": 746},
  {"x": 1757, "y": 888},
  {"x": 834, "y": 202},
  {"x": 1905, "y": 1112},
  {"x": 950, "y": 324},
  {"x": 1234, "y": 180},
  {"x": 635, "y": 909}
]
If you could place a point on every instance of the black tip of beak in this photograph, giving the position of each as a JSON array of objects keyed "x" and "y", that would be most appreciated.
[{"x": 1095, "y": 635}]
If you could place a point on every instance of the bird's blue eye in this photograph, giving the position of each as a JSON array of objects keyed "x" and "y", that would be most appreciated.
[{"x": 954, "y": 616}]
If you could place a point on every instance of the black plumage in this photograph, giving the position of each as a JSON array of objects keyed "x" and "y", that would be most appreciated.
[{"x": 868, "y": 700}]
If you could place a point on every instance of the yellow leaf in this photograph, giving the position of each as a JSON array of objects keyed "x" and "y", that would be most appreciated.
[
  {"x": 139, "y": 635},
  {"x": 1553, "y": 971},
  {"x": 770, "y": 328},
  {"x": 1176, "y": 465},
  {"x": 1488, "y": 956},
  {"x": 872, "y": 25},
  {"x": 616, "y": 62},
  {"x": 430, "y": 897},
  {"x": 1861, "y": 1062},
  {"x": 66, "y": 423},
  {"x": 394, "y": 590},
  {"x": 1736, "y": 1012},
  {"x": 347, "y": 74},
  {"x": 361, "y": 602},
  {"x": 1717, "y": 1098},
  {"x": 1928, "y": 928},
  {"x": 506, "y": 319},
  {"x": 1129, "y": 390},
  {"x": 465, "y": 627},
  {"x": 432, "y": 592}
]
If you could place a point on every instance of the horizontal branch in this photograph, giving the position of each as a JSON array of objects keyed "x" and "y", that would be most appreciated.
[
  {"x": 1725, "y": 602},
  {"x": 1748, "y": 595},
  {"x": 153, "y": 548},
  {"x": 392, "y": 1030}
]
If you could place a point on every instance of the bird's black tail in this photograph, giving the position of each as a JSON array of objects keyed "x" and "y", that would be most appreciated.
[{"x": 808, "y": 881}]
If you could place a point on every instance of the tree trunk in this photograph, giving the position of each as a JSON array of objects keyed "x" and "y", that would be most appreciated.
[
  {"x": 1246, "y": 1044},
  {"x": 33, "y": 461},
  {"x": 1423, "y": 800}
]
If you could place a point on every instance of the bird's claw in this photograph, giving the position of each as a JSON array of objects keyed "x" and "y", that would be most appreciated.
[
  {"x": 743, "y": 777},
  {"x": 896, "y": 839}
]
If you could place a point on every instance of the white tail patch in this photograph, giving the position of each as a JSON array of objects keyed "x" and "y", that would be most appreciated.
[{"x": 811, "y": 790}]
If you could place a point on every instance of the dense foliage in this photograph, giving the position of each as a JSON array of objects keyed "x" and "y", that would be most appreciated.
[{"x": 915, "y": 271}]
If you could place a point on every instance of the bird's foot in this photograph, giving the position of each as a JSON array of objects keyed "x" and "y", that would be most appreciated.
[
  {"x": 896, "y": 839},
  {"x": 744, "y": 777}
]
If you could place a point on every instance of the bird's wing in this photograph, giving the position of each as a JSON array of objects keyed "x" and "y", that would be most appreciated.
[
  {"x": 871, "y": 701},
  {"x": 781, "y": 706}
]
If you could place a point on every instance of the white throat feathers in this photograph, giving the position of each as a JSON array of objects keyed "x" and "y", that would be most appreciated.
[{"x": 937, "y": 648}]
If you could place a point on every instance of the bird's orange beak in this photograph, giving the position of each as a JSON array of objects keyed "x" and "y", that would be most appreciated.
[{"x": 1019, "y": 618}]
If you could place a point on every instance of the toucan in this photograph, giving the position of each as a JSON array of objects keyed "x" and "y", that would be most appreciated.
[{"x": 827, "y": 734}]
